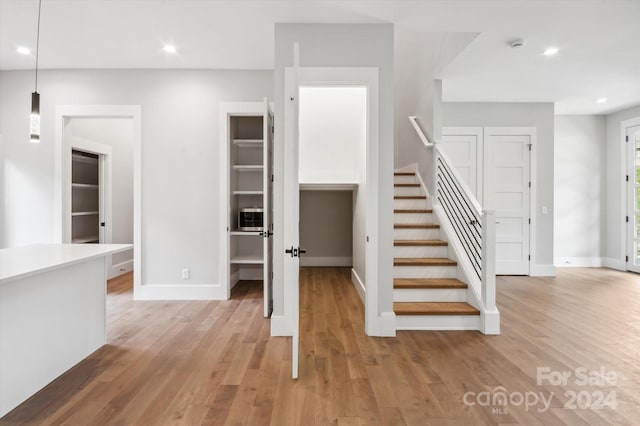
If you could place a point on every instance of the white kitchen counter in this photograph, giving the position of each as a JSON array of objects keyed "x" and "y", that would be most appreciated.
[
  {"x": 52, "y": 313},
  {"x": 20, "y": 262}
]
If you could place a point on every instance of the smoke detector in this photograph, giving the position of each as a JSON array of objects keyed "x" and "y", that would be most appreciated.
[{"x": 516, "y": 43}]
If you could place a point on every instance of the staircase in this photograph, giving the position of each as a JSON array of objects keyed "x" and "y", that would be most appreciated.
[{"x": 428, "y": 288}]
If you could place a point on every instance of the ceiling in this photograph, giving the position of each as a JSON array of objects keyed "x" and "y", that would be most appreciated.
[{"x": 599, "y": 40}]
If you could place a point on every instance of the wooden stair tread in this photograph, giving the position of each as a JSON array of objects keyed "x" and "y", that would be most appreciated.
[
  {"x": 404, "y": 173},
  {"x": 419, "y": 243},
  {"x": 434, "y": 308},
  {"x": 416, "y": 226},
  {"x": 423, "y": 261},
  {"x": 410, "y": 197},
  {"x": 407, "y": 185},
  {"x": 415, "y": 211},
  {"x": 427, "y": 283}
]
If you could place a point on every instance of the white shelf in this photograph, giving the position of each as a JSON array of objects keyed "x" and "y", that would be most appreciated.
[
  {"x": 84, "y": 240},
  {"x": 84, "y": 213},
  {"x": 329, "y": 186},
  {"x": 84, "y": 185},
  {"x": 248, "y": 192},
  {"x": 248, "y": 143},
  {"x": 248, "y": 260},
  {"x": 248, "y": 168},
  {"x": 258, "y": 233}
]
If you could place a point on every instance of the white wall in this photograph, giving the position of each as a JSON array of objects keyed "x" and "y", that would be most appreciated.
[
  {"x": 615, "y": 198},
  {"x": 332, "y": 125},
  {"x": 579, "y": 176},
  {"x": 117, "y": 133},
  {"x": 180, "y": 158},
  {"x": 540, "y": 116},
  {"x": 419, "y": 58},
  {"x": 335, "y": 45}
]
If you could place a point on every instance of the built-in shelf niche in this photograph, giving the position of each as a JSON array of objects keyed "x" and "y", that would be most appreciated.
[{"x": 85, "y": 198}]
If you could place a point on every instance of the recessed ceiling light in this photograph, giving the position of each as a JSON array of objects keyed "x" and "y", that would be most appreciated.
[
  {"x": 550, "y": 51},
  {"x": 602, "y": 100},
  {"x": 169, "y": 48},
  {"x": 23, "y": 50}
]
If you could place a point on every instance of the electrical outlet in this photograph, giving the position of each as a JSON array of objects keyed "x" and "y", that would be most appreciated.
[
  {"x": 545, "y": 210},
  {"x": 186, "y": 274}
]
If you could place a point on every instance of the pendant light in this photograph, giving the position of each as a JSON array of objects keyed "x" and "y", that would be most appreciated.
[{"x": 35, "y": 96}]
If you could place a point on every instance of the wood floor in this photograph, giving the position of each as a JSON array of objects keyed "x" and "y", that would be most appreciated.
[{"x": 214, "y": 363}]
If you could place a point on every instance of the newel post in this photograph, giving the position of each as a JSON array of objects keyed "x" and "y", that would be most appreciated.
[{"x": 489, "y": 259}]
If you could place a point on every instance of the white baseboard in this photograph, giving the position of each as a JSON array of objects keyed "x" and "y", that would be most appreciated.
[
  {"x": 542, "y": 270},
  {"x": 279, "y": 326},
  {"x": 612, "y": 263},
  {"x": 322, "y": 261},
  {"x": 438, "y": 322},
  {"x": 358, "y": 284},
  {"x": 120, "y": 269},
  {"x": 180, "y": 292},
  {"x": 578, "y": 262}
]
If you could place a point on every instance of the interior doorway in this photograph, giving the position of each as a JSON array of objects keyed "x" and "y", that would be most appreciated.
[
  {"x": 332, "y": 176},
  {"x": 301, "y": 82},
  {"x": 631, "y": 134},
  {"x": 97, "y": 149}
]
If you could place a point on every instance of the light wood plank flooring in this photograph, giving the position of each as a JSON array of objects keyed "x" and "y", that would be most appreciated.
[{"x": 214, "y": 363}]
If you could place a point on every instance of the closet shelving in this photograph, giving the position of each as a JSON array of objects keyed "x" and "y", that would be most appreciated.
[
  {"x": 85, "y": 198},
  {"x": 247, "y": 189},
  {"x": 248, "y": 129}
]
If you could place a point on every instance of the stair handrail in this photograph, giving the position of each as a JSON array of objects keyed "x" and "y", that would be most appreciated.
[{"x": 414, "y": 122}]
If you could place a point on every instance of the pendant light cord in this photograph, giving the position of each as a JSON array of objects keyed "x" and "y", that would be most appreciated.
[{"x": 38, "y": 42}]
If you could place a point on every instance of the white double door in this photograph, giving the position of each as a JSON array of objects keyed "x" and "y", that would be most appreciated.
[{"x": 495, "y": 163}]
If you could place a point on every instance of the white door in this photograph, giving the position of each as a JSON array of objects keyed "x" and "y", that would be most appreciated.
[
  {"x": 267, "y": 233},
  {"x": 507, "y": 191},
  {"x": 633, "y": 198},
  {"x": 291, "y": 235},
  {"x": 463, "y": 146}
]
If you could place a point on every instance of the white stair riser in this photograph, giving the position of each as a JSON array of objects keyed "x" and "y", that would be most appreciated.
[
  {"x": 420, "y": 251},
  {"x": 424, "y": 272},
  {"x": 416, "y": 234},
  {"x": 438, "y": 322},
  {"x": 405, "y": 179},
  {"x": 412, "y": 218},
  {"x": 407, "y": 190},
  {"x": 410, "y": 204},
  {"x": 430, "y": 295}
]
